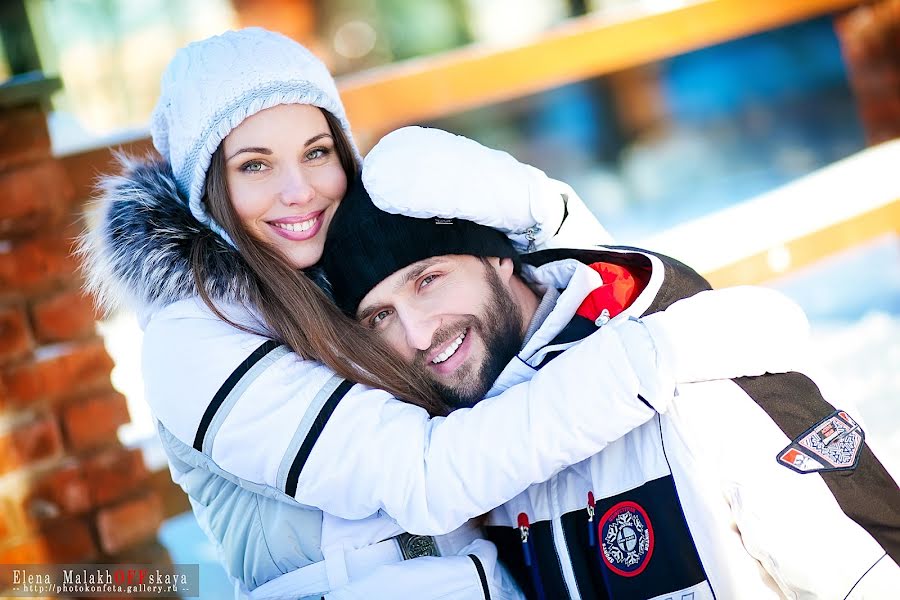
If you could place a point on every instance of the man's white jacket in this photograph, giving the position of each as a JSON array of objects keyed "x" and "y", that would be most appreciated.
[{"x": 755, "y": 488}]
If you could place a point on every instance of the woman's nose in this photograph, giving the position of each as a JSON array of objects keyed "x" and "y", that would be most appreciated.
[{"x": 295, "y": 188}]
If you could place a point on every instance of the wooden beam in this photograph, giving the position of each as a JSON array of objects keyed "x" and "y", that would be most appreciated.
[
  {"x": 380, "y": 99},
  {"x": 383, "y": 98},
  {"x": 832, "y": 209},
  {"x": 803, "y": 251}
]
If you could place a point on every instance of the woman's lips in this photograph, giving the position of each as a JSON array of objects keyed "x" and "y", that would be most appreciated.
[{"x": 298, "y": 229}]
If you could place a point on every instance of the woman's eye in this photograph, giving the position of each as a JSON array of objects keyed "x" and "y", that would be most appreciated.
[
  {"x": 254, "y": 166},
  {"x": 316, "y": 153},
  {"x": 378, "y": 317}
]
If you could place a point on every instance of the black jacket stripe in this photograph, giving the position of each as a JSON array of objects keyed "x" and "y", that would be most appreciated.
[
  {"x": 866, "y": 494},
  {"x": 482, "y": 576},
  {"x": 290, "y": 485},
  {"x": 226, "y": 388}
]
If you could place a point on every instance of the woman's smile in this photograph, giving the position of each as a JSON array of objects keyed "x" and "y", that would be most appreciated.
[{"x": 300, "y": 228}]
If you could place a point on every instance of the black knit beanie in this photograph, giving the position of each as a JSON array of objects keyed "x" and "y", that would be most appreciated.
[{"x": 365, "y": 245}]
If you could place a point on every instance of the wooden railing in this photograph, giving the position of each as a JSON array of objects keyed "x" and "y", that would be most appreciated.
[
  {"x": 597, "y": 44},
  {"x": 411, "y": 91},
  {"x": 843, "y": 205}
]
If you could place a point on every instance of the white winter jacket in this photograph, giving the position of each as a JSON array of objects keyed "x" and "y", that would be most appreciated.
[{"x": 749, "y": 488}]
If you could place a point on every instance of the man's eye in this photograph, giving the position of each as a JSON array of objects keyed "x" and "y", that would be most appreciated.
[
  {"x": 378, "y": 317},
  {"x": 428, "y": 279}
]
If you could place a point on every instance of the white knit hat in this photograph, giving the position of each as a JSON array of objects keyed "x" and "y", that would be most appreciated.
[{"x": 214, "y": 84}]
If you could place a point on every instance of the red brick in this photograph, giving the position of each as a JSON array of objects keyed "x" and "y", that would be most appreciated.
[
  {"x": 59, "y": 371},
  {"x": 29, "y": 442},
  {"x": 11, "y": 519},
  {"x": 34, "y": 265},
  {"x": 66, "y": 315},
  {"x": 114, "y": 474},
  {"x": 24, "y": 136},
  {"x": 60, "y": 492},
  {"x": 129, "y": 522},
  {"x": 93, "y": 421},
  {"x": 35, "y": 196},
  {"x": 4, "y": 395},
  {"x": 150, "y": 552},
  {"x": 65, "y": 541},
  {"x": 15, "y": 334}
]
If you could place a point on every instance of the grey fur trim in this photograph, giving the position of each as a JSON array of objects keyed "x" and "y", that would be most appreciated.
[{"x": 137, "y": 247}]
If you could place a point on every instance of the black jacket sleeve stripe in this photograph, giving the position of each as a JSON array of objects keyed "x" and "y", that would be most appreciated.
[
  {"x": 866, "y": 494},
  {"x": 226, "y": 388},
  {"x": 290, "y": 486}
]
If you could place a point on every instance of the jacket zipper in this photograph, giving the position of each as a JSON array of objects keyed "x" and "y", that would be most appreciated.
[{"x": 559, "y": 542}]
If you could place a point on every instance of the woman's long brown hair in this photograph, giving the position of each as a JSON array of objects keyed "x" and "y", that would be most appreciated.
[{"x": 296, "y": 311}]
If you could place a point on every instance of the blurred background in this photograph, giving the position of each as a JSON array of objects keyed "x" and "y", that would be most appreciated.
[{"x": 756, "y": 141}]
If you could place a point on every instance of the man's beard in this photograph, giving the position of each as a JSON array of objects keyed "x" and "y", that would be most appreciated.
[{"x": 500, "y": 326}]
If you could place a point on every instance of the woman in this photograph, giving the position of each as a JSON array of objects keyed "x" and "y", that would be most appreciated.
[{"x": 249, "y": 369}]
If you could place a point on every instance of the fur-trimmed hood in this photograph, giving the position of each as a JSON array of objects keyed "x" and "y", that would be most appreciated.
[{"x": 137, "y": 247}]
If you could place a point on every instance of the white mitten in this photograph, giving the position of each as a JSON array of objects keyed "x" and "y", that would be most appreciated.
[
  {"x": 425, "y": 173},
  {"x": 732, "y": 332},
  {"x": 580, "y": 228}
]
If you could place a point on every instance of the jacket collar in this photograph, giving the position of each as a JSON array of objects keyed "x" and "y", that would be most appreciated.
[
  {"x": 137, "y": 247},
  {"x": 576, "y": 280}
]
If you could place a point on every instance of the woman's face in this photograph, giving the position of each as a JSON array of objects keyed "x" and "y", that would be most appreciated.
[{"x": 285, "y": 179}]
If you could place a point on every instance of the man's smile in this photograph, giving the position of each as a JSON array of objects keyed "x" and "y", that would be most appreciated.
[{"x": 448, "y": 357}]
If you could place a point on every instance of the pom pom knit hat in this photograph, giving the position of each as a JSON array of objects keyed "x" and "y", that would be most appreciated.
[{"x": 214, "y": 84}]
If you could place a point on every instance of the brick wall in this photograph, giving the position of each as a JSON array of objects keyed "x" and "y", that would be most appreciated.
[
  {"x": 69, "y": 491},
  {"x": 870, "y": 39}
]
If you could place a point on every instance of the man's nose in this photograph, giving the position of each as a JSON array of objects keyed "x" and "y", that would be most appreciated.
[
  {"x": 295, "y": 187},
  {"x": 419, "y": 328}
]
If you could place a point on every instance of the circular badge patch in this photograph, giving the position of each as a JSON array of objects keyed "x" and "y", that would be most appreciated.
[{"x": 626, "y": 539}]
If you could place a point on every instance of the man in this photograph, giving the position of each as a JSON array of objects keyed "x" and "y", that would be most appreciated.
[{"x": 745, "y": 488}]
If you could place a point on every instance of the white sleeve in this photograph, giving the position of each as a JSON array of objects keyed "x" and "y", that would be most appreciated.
[
  {"x": 422, "y": 172},
  {"x": 268, "y": 417},
  {"x": 733, "y": 332},
  {"x": 433, "y": 474},
  {"x": 790, "y": 522}
]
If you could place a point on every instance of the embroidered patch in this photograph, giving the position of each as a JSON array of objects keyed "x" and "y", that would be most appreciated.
[
  {"x": 626, "y": 539},
  {"x": 832, "y": 444}
]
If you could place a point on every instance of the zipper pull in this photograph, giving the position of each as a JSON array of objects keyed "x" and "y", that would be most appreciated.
[
  {"x": 592, "y": 534},
  {"x": 530, "y": 559},
  {"x": 603, "y": 319},
  {"x": 523, "y": 532},
  {"x": 530, "y": 235}
]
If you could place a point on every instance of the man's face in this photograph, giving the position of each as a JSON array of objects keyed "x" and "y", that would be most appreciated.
[{"x": 452, "y": 317}]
